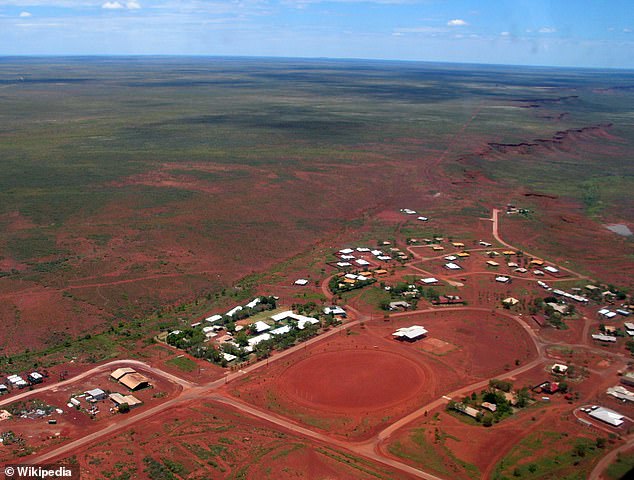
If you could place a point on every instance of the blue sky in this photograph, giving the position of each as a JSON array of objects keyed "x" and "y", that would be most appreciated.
[{"x": 530, "y": 32}]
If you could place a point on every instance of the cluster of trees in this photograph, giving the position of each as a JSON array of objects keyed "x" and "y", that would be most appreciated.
[
  {"x": 397, "y": 293},
  {"x": 495, "y": 395},
  {"x": 336, "y": 285}
]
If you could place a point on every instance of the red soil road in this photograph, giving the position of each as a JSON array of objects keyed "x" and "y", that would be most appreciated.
[{"x": 353, "y": 380}]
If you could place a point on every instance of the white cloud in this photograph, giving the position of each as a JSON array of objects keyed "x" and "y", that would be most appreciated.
[
  {"x": 456, "y": 22},
  {"x": 505, "y": 34},
  {"x": 133, "y": 5},
  {"x": 112, "y": 6},
  {"x": 25, "y": 14},
  {"x": 627, "y": 30},
  {"x": 547, "y": 30}
]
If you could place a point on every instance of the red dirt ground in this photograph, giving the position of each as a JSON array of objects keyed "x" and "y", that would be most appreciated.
[
  {"x": 211, "y": 441},
  {"x": 353, "y": 380},
  {"x": 343, "y": 386}
]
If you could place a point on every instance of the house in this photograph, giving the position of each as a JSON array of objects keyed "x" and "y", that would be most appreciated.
[
  {"x": 539, "y": 273},
  {"x": 134, "y": 381},
  {"x": 383, "y": 258},
  {"x": 544, "y": 285},
  {"x": 512, "y": 265},
  {"x": 429, "y": 280},
  {"x": 130, "y": 400},
  {"x": 502, "y": 279},
  {"x": 422, "y": 219},
  {"x": 253, "y": 303},
  {"x": 3, "y": 389},
  {"x": 253, "y": 341},
  {"x": 410, "y": 334},
  {"x": 559, "y": 368},
  {"x": 447, "y": 300},
  {"x": 603, "y": 338},
  {"x": 625, "y": 313},
  {"x": 228, "y": 357},
  {"x": 16, "y": 381},
  {"x": 283, "y": 330},
  {"x": 551, "y": 270},
  {"x": 521, "y": 270},
  {"x": 213, "y": 318},
  {"x": 537, "y": 262},
  {"x": 470, "y": 411},
  {"x": 490, "y": 406},
  {"x": 120, "y": 372},
  {"x": 508, "y": 252},
  {"x": 608, "y": 416},
  {"x": 539, "y": 320},
  {"x": 452, "y": 266},
  {"x": 35, "y": 377},
  {"x": 303, "y": 321},
  {"x": 233, "y": 311},
  {"x": 344, "y": 264},
  {"x": 95, "y": 395},
  {"x": 346, "y": 251},
  {"x": 604, "y": 312},
  {"x": 261, "y": 327},
  {"x": 510, "y": 301},
  {"x": 458, "y": 244},
  {"x": 302, "y": 282},
  {"x": 362, "y": 263},
  {"x": 437, "y": 248},
  {"x": 491, "y": 263},
  {"x": 484, "y": 244},
  {"x": 380, "y": 272},
  {"x": 335, "y": 310},
  {"x": 209, "y": 332},
  {"x": 451, "y": 258},
  {"x": 463, "y": 254},
  {"x": 398, "y": 305},
  {"x": 557, "y": 307},
  {"x": 628, "y": 326}
]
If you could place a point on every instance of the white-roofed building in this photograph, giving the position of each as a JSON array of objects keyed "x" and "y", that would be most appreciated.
[
  {"x": 233, "y": 311},
  {"x": 429, "y": 280},
  {"x": 344, "y": 264},
  {"x": 229, "y": 357},
  {"x": 335, "y": 310},
  {"x": 301, "y": 282},
  {"x": 363, "y": 249},
  {"x": 603, "y": 338},
  {"x": 210, "y": 332},
  {"x": 303, "y": 321},
  {"x": 376, "y": 253},
  {"x": 550, "y": 269},
  {"x": 261, "y": 327},
  {"x": 608, "y": 416},
  {"x": 452, "y": 266},
  {"x": 361, "y": 262},
  {"x": 253, "y": 341},
  {"x": 283, "y": 330},
  {"x": 253, "y": 303},
  {"x": 451, "y": 258},
  {"x": 621, "y": 393},
  {"x": 502, "y": 279},
  {"x": 213, "y": 318},
  {"x": 346, "y": 251},
  {"x": 422, "y": 219},
  {"x": 410, "y": 334}
]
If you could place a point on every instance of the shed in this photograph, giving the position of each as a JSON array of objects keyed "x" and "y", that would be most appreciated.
[
  {"x": 608, "y": 416},
  {"x": 96, "y": 394},
  {"x": 134, "y": 381},
  {"x": 410, "y": 334},
  {"x": 120, "y": 372}
]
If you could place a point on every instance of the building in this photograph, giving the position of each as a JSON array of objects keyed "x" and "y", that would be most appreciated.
[
  {"x": 628, "y": 379},
  {"x": 261, "y": 327},
  {"x": 603, "y": 338},
  {"x": 35, "y": 377},
  {"x": 502, "y": 279},
  {"x": 213, "y": 318},
  {"x": 608, "y": 416},
  {"x": 398, "y": 305},
  {"x": 283, "y": 330},
  {"x": 302, "y": 282},
  {"x": 335, "y": 310},
  {"x": 130, "y": 400},
  {"x": 559, "y": 368},
  {"x": 233, "y": 311},
  {"x": 621, "y": 393},
  {"x": 134, "y": 381},
  {"x": 452, "y": 266},
  {"x": 120, "y": 372},
  {"x": 490, "y": 406},
  {"x": 410, "y": 334},
  {"x": 429, "y": 281},
  {"x": 95, "y": 395},
  {"x": 510, "y": 301}
]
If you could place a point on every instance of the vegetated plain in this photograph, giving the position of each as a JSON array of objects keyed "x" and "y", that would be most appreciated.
[{"x": 133, "y": 184}]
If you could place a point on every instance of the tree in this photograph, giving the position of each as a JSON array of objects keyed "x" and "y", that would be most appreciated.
[
  {"x": 487, "y": 420},
  {"x": 124, "y": 408}
]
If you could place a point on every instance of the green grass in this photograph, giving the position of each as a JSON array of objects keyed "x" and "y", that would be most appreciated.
[
  {"x": 424, "y": 454},
  {"x": 183, "y": 363},
  {"x": 540, "y": 455},
  {"x": 620, "y": 468}
]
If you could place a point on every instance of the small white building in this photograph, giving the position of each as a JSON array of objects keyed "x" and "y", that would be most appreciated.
[
  {"x": 96, "y": 394},
  {"x": 302, "y": 282},
  {"x": 346, "y": 251},
  {"x": 361, "y": 262},
  {"x": 335, "y": 310},
  {"x": 452, "y": 266},
  {"x": 253, "y": 303},
  {"x": 559, "y": 368},
  {"x": 429, "y": 280},
  {"x": 550, "y": 269},
  {"x": 213, "y": 318},
  {"x": 233, "y": 311},
  {"x": 502, "y": 279}
]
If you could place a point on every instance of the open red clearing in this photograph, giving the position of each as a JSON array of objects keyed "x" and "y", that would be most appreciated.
[{"x": 353, "y": 379}]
